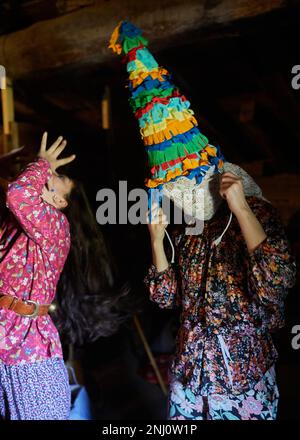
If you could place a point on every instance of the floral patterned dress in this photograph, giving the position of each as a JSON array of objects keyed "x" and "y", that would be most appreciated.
[
  {"x": 230, "y": 303},
  {"x": 34, "y": 244}
]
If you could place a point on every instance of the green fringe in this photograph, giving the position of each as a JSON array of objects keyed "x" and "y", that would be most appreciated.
[
  {"x": 146, "y": 96},
  {"x": 130, "y": 43},
  {"x": 177, "y": 150}
]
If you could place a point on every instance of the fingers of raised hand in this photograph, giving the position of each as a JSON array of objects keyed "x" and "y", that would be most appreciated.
[
  {"x": 44, "y": 142},
  {"x": 55, "y": 144},
  {"x": 157, "y": 216},
  {"x": 59, "y": 149},
  {"x": 65, "y": 161},
  {"x": 153, "y": 211},
  {"x": 229, "y": 177},
  {"x": 230, "y": 186}
]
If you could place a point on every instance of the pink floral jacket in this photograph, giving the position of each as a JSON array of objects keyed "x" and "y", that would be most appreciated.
[{"x": 34, "y": 244}]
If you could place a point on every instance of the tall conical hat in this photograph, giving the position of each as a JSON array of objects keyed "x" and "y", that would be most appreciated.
[{"x": 169, "y": 130}]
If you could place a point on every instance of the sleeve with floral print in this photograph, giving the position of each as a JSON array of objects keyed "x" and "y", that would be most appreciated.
[
  {"x": 163, "y": 287},
  {"x": 271, "y": 269},
  {"x": 42, "y": 222}
]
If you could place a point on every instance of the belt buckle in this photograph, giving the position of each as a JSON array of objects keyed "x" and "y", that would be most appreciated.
[{"x": 36, "y": 310}]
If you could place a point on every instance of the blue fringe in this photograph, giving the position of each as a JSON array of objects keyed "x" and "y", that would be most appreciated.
[
  {"x": 151, "y": 84},
  {"x": 128, "y": 29}
]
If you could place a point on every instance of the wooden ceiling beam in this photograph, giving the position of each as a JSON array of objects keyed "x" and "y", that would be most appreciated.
[{"x": 80, "y": 37}]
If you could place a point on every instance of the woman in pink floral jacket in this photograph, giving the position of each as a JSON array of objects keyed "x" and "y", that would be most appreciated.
[{"x": 34, "y": 244}]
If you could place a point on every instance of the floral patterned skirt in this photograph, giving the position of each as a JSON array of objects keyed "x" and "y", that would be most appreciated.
[
  {"x": 35, "y": 391},
  {"x": 259, "y": 403}
]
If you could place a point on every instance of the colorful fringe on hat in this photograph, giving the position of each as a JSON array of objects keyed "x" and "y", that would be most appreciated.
[{"x": 173, "y": 142}]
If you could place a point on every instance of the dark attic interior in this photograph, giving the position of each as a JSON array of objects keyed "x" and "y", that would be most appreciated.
[{"x": 234, "y": 61}]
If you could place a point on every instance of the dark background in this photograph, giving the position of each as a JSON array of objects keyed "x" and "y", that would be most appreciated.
[{"x": 237, "y": 75}]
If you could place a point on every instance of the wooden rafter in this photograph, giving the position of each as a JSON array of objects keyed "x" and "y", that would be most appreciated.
[{"x": 81, "y": 37}]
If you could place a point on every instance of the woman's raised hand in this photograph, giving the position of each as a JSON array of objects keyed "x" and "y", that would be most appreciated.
[
  {"x": 158, "y": 223},
  {"x": 231, "y": 189},
  {"x": 54, "y": 151}
]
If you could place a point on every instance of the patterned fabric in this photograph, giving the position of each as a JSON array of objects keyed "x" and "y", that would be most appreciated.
[
  {"x": 34, "y": 243},
  {"x": 35, "y": 391},
  {"x": 259, "y": 403},
  {"x": 230, "y": 302}
]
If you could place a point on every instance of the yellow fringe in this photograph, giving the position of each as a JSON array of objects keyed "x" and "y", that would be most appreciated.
[
  {"x": 138, "y": 77},
  {"x": 173, "y": 128},
  {"x": 113, "y": 40},
  {"x": 171, "y": 174},
  {"x": 211, "y": 150},
  {"x": 174, "y": 115},
  {"x": 188, "y": 165},
  {"x": 204, "y": 154},
  {"x": 139, "y": 68}
]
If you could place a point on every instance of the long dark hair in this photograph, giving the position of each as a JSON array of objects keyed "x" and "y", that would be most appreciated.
[{"x": 89, "y": 303}]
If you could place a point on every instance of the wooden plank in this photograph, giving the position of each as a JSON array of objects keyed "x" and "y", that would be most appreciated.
[
  {"x": 81, "y": 37},
  {"x": 10, "y": 137},
  {"x": 7, "y": 107}
]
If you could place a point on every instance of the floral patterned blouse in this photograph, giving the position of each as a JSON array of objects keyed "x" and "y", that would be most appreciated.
[
  {"x": 34, "y": 244},
  {"x": 230, "y": 301}
]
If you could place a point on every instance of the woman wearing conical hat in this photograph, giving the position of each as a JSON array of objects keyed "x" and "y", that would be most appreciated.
[{"x": 230, "y": 280}]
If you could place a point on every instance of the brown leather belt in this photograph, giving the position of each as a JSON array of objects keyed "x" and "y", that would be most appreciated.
[{"x": 27, "y": 308}]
